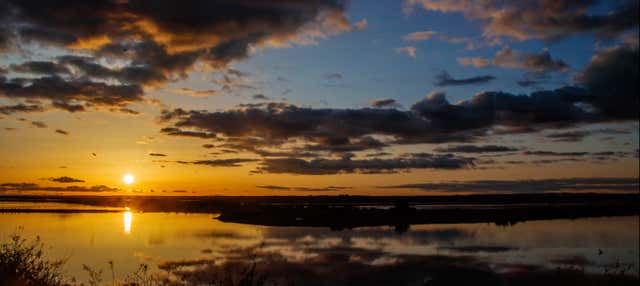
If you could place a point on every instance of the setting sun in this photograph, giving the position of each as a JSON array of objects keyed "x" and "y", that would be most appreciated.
[{"x": 128, "y": 179}]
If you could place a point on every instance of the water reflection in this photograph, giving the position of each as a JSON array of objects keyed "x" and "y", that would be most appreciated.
[
  {"x": 368, "y": 254},
  {"x": 127, "y": 218}
]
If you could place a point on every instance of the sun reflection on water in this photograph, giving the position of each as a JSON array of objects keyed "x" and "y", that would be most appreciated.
[{"x": 127, "y": 217}]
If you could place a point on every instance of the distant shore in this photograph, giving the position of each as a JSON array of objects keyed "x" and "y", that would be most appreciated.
[{"x": 340, "y": 212}]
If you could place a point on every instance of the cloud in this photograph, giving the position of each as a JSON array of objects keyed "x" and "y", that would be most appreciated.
[
  {"x": 361, "y": 25},
  {"x": 444, "y": 79},
  {"x": 568, "y": 136},
  {"x": 40, "y": 67},
  {"x": 611, "y": 76},
  {"x": 303, "y": 189},
  {"x": 471, "y": 43},
  {"x": 498, "y": 108},
  {"x": 177, "y": 132},
  {"x": 329, "y": 129},
  {"x": 408, "y": 50},
  {"x": 529, "y": 186},
  {"x": 549, "y": 20},
  {"x": 157, "y": 154},
  {"x": 600, "y": 156},
  {"x": 385, "y": 102},
  {"x": 236, "y": 162},
  {"x": 430, "y": 120},
  {"x": 60, "y": 131},
  {"x": 363, "y": 166},
  {"x": 144, "y": 46},
  {"x": 420, "y": 36},
  {"x": 28, "y": 187},
  {"x": 197, "y": 93},
  {"x": 333, "y": 76},
  {"x": 552, "y": 153},
  {"x": 39, "y": 124},
  {"x": 578, "y": 135},
  {"x": 528, "y": 82},
  {"x": 66, "y": 92},
  {"x": 21, "y": 108},
  {"x": 475, "y": 149},
  {"x": 125, "y": 110},
  {"x": 259, "y": 96},
  {"x": 476, "y": 62},
  {"x": 478, "y": 248},
  {"x": 538, "y": 63},
  {"x": 65, "y": 179}
]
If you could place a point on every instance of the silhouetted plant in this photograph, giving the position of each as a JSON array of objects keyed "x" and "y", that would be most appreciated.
[
  {"x": 95, "y": 276},
  {"x": 23, "y": 262}
]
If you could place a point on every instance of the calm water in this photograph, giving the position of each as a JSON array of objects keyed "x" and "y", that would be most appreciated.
[{"x": 129, "y": 238}]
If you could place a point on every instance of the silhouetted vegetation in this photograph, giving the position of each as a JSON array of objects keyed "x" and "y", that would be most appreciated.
[{"x": 23, "y": 262}]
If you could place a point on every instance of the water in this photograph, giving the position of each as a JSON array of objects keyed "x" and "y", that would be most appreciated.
[{"x": 129, "y": 238}]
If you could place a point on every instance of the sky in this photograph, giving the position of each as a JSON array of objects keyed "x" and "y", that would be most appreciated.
[{"x": 321, "y": 97}]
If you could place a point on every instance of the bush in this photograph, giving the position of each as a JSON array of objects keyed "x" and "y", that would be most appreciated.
[{"x": 23, "y": 262}]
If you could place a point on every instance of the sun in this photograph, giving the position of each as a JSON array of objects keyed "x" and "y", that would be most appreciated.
[{"x": 128, "y": 179}]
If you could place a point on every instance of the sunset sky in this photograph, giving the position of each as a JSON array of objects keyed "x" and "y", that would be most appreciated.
[{"x": 318, "y": 97}]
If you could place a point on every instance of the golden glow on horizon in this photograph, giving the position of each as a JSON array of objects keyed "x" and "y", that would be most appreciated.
[
  {"x": 127, "y": 218},
  {"x": 128, "y": 179}
]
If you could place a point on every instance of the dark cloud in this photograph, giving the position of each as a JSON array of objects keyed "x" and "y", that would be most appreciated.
[
  {"x": 157, "y": 154},
  {"x": 65, "y": 179},
  {"x": 386, "y": 102},
  {"x": 548, "y": 20},
  {"x": 40, "y": 67},
  {"x": 431, "y": 120},
  {"x": 303, "y": 189},
  {"x": 537, "y": 64},
  {"x": 612, "y": 77},
  {"x": 578, "y": 135},
  {"x": 475, "y": 149},
  {"x": 499, "y": 108},
  {"x": 576, "y": 156},
  {"x": 67, "y": 92},
  {"x": 339, "y": 145},
  {"x": 177, "y": 132},
  {"x": 260, "y": 97},
  {"x": 156, "y": 42},
  {"x": 66, "y": 106},
  {"x": 27, "y": 187},
  {"x": 39, "y": 124},
  {"x": 444, "y": 79},
  {"x": 365, "y": 166},
  {"x": 273, "y": 187},
  {"x": 568, "y": 136},
  {"x": 333, "y": 76},
  {"x": 530, "y": 186},
  {"x": 528, "y": 82},
  {"x": 236, "y": 162},
  {"x": 60, "y": 131},
  {"x": 21, "y": 108},
  {"x": 125, "y": 110},
  {"x": 326, "y": 128},
  {"x": 377, "y": 154},
  {"x": 553, "y": 153},
  {"x": 478, "y": 248}
]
